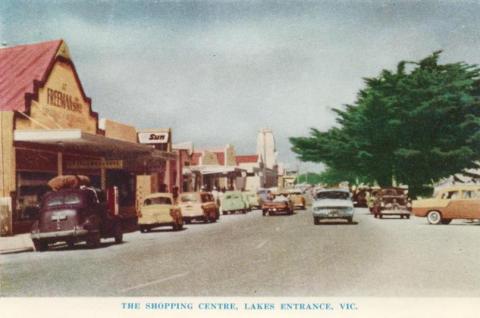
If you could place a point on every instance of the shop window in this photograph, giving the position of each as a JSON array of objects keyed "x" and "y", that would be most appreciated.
[{"x": 31, "y": 187}]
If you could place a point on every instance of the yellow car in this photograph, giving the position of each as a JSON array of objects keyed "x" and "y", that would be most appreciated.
[
  {"x": 158, "y": 209},
  {"x": 298, "y": 199}
]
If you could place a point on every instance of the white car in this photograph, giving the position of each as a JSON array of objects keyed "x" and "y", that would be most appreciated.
[{"x": 332, "y": 204}]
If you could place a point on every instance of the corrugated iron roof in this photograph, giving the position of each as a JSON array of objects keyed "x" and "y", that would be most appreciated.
[{"x": 19, "y": 67}]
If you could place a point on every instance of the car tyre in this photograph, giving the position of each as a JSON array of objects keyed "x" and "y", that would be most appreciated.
[
  {"x": 70, "y": 243},
  {"x": 434, "y": 217},
  {"x": 350, "y": 219},
  {"x": 118, "y": 233},
  {"x": 93, "y": 240},
  {"x": 316, "y": 220},
  {"x": 40, "y": 246}
]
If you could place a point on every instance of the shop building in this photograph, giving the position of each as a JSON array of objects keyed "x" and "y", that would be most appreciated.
[
  {"x": 217, "y": 168},
  {"x": 48, "y": 128}
]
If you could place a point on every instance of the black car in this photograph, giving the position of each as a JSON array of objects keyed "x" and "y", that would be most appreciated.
[{"x": 74, "y": 215}]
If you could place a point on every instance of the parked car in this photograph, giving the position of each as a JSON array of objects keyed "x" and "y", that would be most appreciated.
[
  {"x": 74, "y": 215},
  {"x": 457, "y": 202},
  {"x": 251, "y": 199},
  {"x": 360, "y": 198},
  {"x": 158, "y": 209},
  {"x": 280, "y": 203},
  {"x": 233, "y": 202},
  {"x": 198, "y": 206},
  {"x": 392, "y": 201},
  {"x": 332, "y": 204},
  {"x": 298, "y": 198}
]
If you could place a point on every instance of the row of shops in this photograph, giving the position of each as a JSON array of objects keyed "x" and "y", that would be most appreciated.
[{"x": 48, "y": 128}]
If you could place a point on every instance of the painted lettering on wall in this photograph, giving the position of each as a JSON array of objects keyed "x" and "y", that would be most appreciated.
[{"x": 62, "y": 100}]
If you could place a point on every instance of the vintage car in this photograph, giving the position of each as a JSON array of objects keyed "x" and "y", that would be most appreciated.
[
  {"x": 158, "y": 209},
  {"x": 392, "y": 201},
  {"x": 278, "y": 203},
  {"x": 198, "y": 206},
  {"x": 359, "y": 197},
  {"x": 298, "y": 198},
  {"x": 251, "y": 199},
  {"x": 232, "y": 202},
  {"x": 74, "y": 215},
  {"x": 332, "y": 204},
  {"x": 457, "y": 202}
]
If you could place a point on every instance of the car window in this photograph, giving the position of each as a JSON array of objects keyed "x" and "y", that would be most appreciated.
[
  {"x": 450, "y": 195},
  {"x": 205, "y": 198},
  {"x": 333, "y": 195},
  {"x": 55, "y": 201},
  {"x": 190, "y": 197},
  {"x": 72, "y": 198},
  {"x": 158, "y": 200},
  {"x": 469, "y": 194}
]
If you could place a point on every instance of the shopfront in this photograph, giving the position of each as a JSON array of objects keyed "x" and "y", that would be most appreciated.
[{"x": 48, "y": 128}]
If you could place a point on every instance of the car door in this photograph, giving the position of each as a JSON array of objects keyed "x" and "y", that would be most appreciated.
[
  {"x": 468, "y": 206},
  {"x": 460, "y": 205}
]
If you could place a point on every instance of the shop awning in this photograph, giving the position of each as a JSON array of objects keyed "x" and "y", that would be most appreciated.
[
  {"x": 210, "y": 170},
  {"x": 77, "y": 140}
]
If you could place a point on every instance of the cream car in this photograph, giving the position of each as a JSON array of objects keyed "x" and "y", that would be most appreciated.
[
  {"x": 199, "y": 206},
  {"x": 158, "y": 209},
  {"x": 457, "y": 202}
]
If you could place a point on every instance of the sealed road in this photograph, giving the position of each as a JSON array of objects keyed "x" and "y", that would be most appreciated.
[{"x": 251, "y": 255}]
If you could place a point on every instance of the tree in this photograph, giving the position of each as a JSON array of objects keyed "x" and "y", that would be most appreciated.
[{"x": 414, "y": 127}]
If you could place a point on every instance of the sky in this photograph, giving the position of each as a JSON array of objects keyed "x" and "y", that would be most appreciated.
[{"x": 218, "y": 71}]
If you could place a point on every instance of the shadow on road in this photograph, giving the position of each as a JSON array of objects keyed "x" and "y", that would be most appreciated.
[
  {"x": 80, "y": 246},
  {"x": 338, "y": 223}
]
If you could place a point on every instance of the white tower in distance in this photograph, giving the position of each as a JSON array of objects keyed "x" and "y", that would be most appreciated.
[{"x": 266, "y": 147}]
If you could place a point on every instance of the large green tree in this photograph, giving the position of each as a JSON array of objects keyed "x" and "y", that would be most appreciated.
[{"x": 414, "y": 125}]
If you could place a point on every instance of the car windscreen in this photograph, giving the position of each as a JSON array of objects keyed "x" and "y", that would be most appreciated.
[
  {"x": 158, "y": 200},
  {"x": 333, "y": 195},
  {"x": 57, "y": 200},
  {"x": 190, "y": 197}
]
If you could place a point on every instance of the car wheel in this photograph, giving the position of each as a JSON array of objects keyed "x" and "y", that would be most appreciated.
[
  {"x": 434, "y": 217},
  {"x": 446, "y": 221},
  {"x": 316, "y": 220},
  {"x": 188, "y": 221},
  {"x": 118, "y": 233},
  {"x": 93, "y": 240},
  {"x": 143, "y": 229},
  {"x": 408, "y": 216},
  {"x": 40, "y": 246},
  {"x": 350, "y": 219},
  {"x": 70, "y": 243},
  {"x": 244, "y": 211},
  {"x": 264, "y": 212},
  {"x": 380, "y": 216},
  {"x": 224, "y": 212}
]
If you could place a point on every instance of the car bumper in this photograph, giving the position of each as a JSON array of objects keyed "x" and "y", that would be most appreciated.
[
  {"x": 58, "y": 235},
  {"x": 333, "y": 214},
  {"x": 395, "y": 212}
]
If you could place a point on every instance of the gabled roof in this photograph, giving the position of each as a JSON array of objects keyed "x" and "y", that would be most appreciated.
[
  {"x": 246, "y": 159},
  {"x": 19, "y": 67}
]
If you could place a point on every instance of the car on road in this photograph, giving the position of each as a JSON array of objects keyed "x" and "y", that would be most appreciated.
[
  {"x": 456, "y": 202},
  {"x": 158, "y": 209},
  {"x": 279, "y": 203},
  {"x": 74, "y": 215},
  {"x": 332, "y": 204},
  {"x": 232, "y": 202},
  {"x": 392, "y": 201},
  {"x": 298, "y": 198},
  {"x": 251, "y": 199},
  {"x": 198, "y": 206}
]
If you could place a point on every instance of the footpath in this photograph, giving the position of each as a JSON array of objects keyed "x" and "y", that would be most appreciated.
[{"x": 16, "y": 244}]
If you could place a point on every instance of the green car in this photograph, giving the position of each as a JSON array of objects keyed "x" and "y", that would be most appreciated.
[
  {"x": 251, "y": 199},
  {"x": 232, "y": 202}
]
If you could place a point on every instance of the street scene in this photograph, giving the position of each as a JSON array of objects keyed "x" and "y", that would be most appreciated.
[
  {"x": 244, "y": 255},
  {"x": 239, "y": 149}
]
